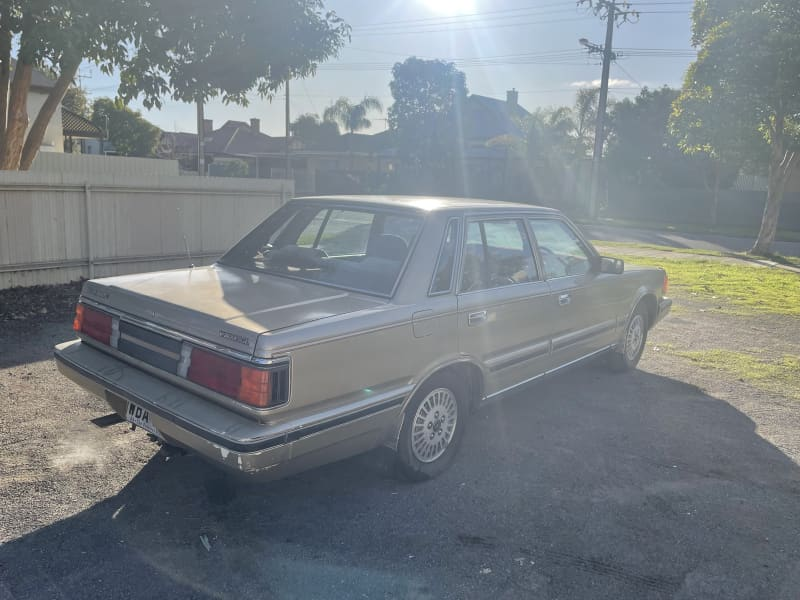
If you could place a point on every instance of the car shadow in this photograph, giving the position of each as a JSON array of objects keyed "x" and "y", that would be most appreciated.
[
  {"x": 585, "y": 486},
  {"x": 28, "y": 341}
]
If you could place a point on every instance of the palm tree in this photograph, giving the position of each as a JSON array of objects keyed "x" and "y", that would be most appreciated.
[{"x": 352, "y": 117}]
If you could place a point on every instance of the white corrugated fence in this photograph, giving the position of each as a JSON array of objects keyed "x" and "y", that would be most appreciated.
[{"x": 58, "y": 227}]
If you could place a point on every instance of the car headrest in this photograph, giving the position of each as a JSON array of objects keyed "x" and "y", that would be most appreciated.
[{"x": 387, "y": 246}]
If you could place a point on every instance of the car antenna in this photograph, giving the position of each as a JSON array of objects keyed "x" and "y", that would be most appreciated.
[{"x": 185, "y": 239}]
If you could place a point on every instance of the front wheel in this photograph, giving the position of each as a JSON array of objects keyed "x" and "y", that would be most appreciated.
[
  {"x": 627, "y": 357},
  {"x": 433, "y": 427}
]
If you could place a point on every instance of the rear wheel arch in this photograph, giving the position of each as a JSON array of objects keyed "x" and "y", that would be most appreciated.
[
  {"x": 467, "y": 369},
  {"x": 464, "y": 370}
]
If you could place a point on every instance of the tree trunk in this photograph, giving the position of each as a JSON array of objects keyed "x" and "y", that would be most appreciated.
[
  {"x": 53, "y": 103},
  {"x": 780, "y": 167},
  {"x": 11, "y": 150},
  {"x": 5, "y": 74},
  {"x": 715, "y": 205}
]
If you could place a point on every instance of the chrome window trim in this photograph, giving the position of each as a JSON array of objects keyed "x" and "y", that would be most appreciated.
[{"x": 456, "y": 256}]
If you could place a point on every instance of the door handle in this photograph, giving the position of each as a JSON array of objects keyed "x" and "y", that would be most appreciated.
[
  {"x": 476, "y": 317},
  {"x": 564, "y": 299}
]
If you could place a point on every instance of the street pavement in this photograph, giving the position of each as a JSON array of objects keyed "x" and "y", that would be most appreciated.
[
  {"x": 699, "y": 241},
  {"x": 589, "y": 486}
]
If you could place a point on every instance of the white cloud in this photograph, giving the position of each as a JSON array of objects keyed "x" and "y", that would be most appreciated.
[{"x": 612, "y": 83}]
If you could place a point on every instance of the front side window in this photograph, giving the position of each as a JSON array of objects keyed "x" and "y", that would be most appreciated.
[
  {"x": 362, "y": 249},
  {"x": 561, "y": 251},
  {"x": 497, "y": 253}
]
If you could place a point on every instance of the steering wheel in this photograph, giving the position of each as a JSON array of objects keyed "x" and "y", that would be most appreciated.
[{"x": 548, "y": 254}]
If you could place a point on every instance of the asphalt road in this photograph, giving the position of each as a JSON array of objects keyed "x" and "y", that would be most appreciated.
[
  {"x": 701, "y": 241},
  {"x": 590, "y": 485}
]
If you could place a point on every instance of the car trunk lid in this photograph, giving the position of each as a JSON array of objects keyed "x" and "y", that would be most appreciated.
[{"x": 225, "y": 306}]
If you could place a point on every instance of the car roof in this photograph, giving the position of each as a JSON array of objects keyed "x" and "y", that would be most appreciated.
[{"x": 431, "y": 203}]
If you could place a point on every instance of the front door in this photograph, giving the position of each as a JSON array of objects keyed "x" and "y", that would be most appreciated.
[
  {"x": 503, "y": 320},
  {"x": 585, "y": 302}
]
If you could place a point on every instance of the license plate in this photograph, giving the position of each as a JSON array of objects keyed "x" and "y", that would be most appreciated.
[{"x": 140, "y": 417}]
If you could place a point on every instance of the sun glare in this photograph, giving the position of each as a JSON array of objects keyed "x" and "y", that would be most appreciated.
[{"x": 450, "y": 7}]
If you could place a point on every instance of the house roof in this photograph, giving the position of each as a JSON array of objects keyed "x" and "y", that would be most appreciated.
[
  {"x": 486, "y": 118},
  {"x": 237, "y": 138},
  {"x": 75, "y": 125},
  {"x": 39, "y": 81}
]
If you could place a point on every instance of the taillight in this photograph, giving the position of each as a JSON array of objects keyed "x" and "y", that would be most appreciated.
[
  {"x": 94, "y": 323},
  {"x": 249, "y": 385},
  {"x": 665, "y": 285}
]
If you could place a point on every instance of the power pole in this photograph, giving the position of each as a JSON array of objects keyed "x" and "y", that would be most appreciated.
[
  {"x": 288, "y": 145},
  {"x": 597, "y": 156},
  {"x": 201, "y": 139}
]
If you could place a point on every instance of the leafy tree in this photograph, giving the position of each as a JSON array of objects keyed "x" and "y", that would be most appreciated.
[
  {"x": 640, "y": 146},
  {"x": 189, "y": 50},
  {"x": 128, "y": 131},
  {"x": 313, "y": 132},
  {"x": 54, "y": 37},
  {"x": 585, "y": 117},
  {"x": 352, "y": 117},
  {"x": 551, "y": 135},
  {"x": 706, "y": 124},
  {"x": 196, "y": 50},
  {"x": 750, "y": 58},
  {"x": 75, "y": 100},
  {"x": 428, "y": 97}
]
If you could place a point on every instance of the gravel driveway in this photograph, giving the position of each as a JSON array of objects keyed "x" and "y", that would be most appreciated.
[{"x": 669, "y": 482}]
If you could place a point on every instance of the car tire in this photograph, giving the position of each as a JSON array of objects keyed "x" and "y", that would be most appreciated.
[
  {"x": 627, "y": 357},
  {"x": 433, "y": 427}
]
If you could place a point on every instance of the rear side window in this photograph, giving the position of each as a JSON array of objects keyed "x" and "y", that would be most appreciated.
[
  {"x": 497, "y": 253},
  {"x": 443, "y": 274}
]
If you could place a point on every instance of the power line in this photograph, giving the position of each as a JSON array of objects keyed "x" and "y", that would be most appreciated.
[{"x": 631, "y": 77}]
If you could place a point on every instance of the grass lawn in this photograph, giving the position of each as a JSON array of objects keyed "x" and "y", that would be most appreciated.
[
  {"x": 732, "y": 288},
  {"x": 793, "y": 261},
  {"x": 781, "y": 235},
  {"x": 781, "y": 375}
]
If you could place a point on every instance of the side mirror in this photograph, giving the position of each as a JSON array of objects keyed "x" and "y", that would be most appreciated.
[{"x": 615, "y": 266}]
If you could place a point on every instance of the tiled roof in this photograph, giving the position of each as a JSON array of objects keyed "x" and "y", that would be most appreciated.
[
  {"x": 486, "y": 118},
  {"x": 236, "y": 138},
  {"x": 75, "y": 125}
]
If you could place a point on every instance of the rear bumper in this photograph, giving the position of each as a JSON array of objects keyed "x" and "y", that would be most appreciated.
[{"x": 230, "y": 440}]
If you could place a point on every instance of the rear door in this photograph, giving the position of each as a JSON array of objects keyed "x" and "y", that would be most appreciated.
[
  {"x": 503, "y": 302},
  {"x": 584, "y": 302}
]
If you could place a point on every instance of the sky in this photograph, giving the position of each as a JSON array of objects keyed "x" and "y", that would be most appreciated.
[{"x": 528, "y": 45}]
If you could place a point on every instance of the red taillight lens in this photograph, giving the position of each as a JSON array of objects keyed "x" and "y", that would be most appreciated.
[
  {"x": 246, "y": 384},
  {"x": 214, "y": 372},
  {"x": 95, "y": 324},
  {"x": 665, "y": 286}
]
